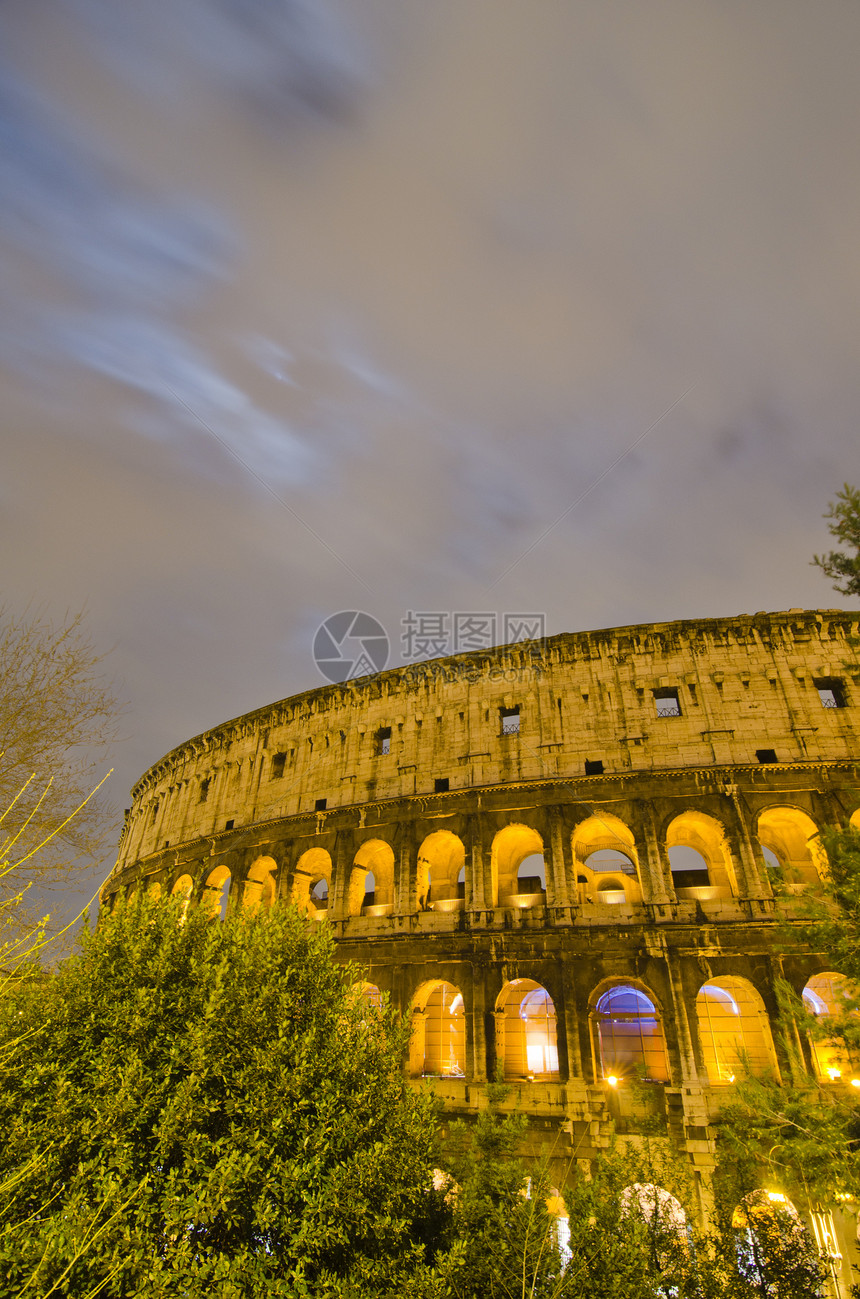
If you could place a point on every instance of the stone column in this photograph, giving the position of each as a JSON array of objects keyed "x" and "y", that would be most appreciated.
[
  {"x": 560, "y": 861},
  {"x": 478, "y": 894},
  {"x": 406, "y": 869},
  {"x": 652, "y": 856},
  {"x": 689, "y": 1068},
  {"x": 417, "y": 1043},
  {"x": 499, "y": 1063},
  {"x": 752, "y": 883},
  {"x": 341, "y": 869},
  {"x": 476, "y": 1035}
]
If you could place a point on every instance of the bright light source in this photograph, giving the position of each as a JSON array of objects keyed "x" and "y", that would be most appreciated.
[
  {"x": 855, "y": 1082},
  {"x": 612, "y": 1080},
  {"x": 776, "y": 1196},
  {"x": 833, "y": 1074},
  {"x": 731, "y": 1077}
]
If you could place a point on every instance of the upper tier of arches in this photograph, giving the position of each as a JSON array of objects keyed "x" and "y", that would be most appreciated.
[{"x": 596, "y": 863}]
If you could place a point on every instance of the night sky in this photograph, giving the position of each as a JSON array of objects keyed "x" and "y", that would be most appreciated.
[{"x": 498, "y": 306}]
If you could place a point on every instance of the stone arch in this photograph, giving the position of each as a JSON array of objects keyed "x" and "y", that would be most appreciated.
[
  {"x": 154, "y": 890},
  {"x": 511, "y": 845},
  {"x": 628, "y": 1032},
  {"x": 312, "y": 883},
  {"x": 605, "y": 860},
  {"x": 183, "y": 887},
  {"x": 526, "y": 1033},
  {"x": 260, "y": 883},
  {"x": 734, "y": 1030},
  {"x": 706, "y": 863},
  {"x": 216, "y": 892},
  {"x": 437, "y": 1047},
  {"x": 375, "y": 857},
  {"x": 854, "y": 821},
  {"x": 441, "y": 859},
  {"x": 767, "y": 1228},
  {"x": 792, "y": 836},
  {"x": 824, "y": 996}
]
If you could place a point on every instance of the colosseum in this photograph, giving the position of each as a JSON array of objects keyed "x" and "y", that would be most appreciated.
[{"x": 558, "y": 856}]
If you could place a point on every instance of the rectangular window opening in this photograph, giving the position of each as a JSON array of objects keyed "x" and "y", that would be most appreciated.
[
  {"x": 320, "y": 804},
  {"x": 593, "y": 767},
  {"x": 766, "y": 755},
  {"x": 510, "y": 720},
  {"x": 831, "y": 691},
  {"x": 441, "y": 785},
  {"x": 666, "y": 702},
  {"x": 204, "y": 790},
  {"x": 278, "y": 764},
  {"x": 229, "y": 825},
  {"x": 383, "y": 740}
]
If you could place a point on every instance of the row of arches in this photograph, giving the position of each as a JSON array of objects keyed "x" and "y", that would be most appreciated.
[{"x": 627, "y": 1031}]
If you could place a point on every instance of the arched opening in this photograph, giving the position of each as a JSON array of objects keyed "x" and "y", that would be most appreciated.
[
  {"x": 260, "y": 883},
  {"x": 511, "y": 846},
  {"x": 828, "y": 996},
  {"x": 605, "y": 859},
  {"x": 183, "y": 888},
  {"x": 629, "y": 1035},
  {"x": 441, "y": 870},
  {"x": 370, "y": 996},
  {"x": 437, "y": 1046},
  {"x": 216, "y": 892},
  {"x": 665, "y": 1220},
  {"x": 793, "y": 838},
  {"x": 154, "y": 890},
  {"x": 374, "y": 861},
  {"x": 699, "y": 857},
  {"x": 526, "y": 1037},
  {"x": 531, "y": 877},
  {"x": 733, "y": 1030},
  {"x": 311, "y": 883}
]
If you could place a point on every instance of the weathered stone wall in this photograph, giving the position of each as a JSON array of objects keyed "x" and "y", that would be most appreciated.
[{"x": 344, "y": 780}]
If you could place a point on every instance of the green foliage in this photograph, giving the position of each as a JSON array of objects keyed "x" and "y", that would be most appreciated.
[
  {"x": 500, "y": 1241},
  {"x": 843, "y": 568},
  {"x": 203, "y": 1108},
  {"x": 795, "y": 1137}
]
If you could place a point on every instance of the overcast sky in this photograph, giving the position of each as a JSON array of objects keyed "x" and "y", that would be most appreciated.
[{"x": 417, "y": 305}]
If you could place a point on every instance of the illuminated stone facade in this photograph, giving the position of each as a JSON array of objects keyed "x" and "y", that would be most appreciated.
[{"x": 662, "y": 773}]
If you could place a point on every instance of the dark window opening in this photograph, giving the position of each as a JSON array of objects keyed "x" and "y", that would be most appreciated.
[
  {"x": 204, "y": 789},
  {"x": 154, "y": 813},
  {"x": 510, "y": 720},
  {"x": 369, "y": 890},
  {"x": 320, "y": 805},
  {"x": 167, "y": 843},
  {"x": 279, "y": 761},
  {"x": 593, "y": 767},
  {"x": 694, "y": 698},
  {"x": 461, "y": 883},
  {"x": 441, "y": 785},
  {"x": 229, "y": 825},
  {"x": 766, "y": 755},
  {"x": 383, "y": 740},
  {"x": 667, "y": 703},
  {"x": 831, "y": 692}
]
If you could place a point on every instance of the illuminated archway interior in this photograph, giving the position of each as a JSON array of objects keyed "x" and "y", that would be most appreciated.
[
  {"x": 733, "y": 1030},
  {"x": 792, "y": 837},
  {"x": 629, "y": 1035},
  {"x": 438, "y": 1043},
  {"x": 526, "y": 1036}
]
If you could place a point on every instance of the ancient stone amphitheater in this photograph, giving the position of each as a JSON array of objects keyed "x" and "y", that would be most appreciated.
[{"x": 558, "y": 856}]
